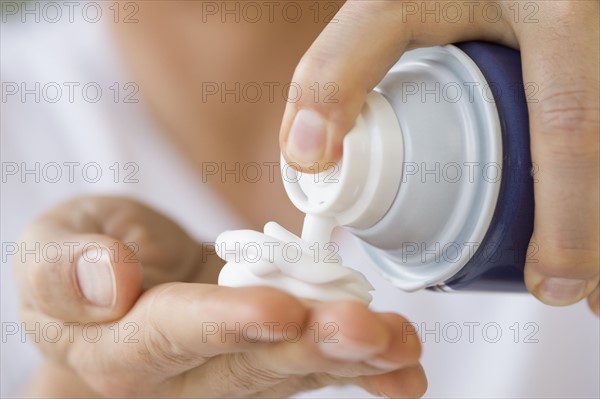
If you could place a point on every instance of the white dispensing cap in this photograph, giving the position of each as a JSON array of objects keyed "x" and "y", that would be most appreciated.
[
  {"x": 411, "y": 222},
  {"x": 357, "y": 191}
]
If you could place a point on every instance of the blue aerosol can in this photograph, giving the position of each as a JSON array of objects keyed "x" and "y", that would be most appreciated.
[{"x": 436, "y": 177}]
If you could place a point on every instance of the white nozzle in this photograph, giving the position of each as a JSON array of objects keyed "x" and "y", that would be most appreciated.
[{"x": 358, "y": 190}]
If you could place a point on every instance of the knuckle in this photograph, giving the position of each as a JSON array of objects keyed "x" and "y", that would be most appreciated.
[
  {"x": 570, "y": 245},
  {"x": 575, "y": 263},
  {"x": 160, "y": 353},
  {"x": 569, "y": 111},
  {"x": 570, "y": 119},
  {"x": 314, "y": 381},
  {"x": 337, "y": 84},
  {"x": 347, "y": 309},
  {"x": 266, "y": 304},
  {"x": 568, "y": 238},
  {"x": 297, "y": 384},
  {"x": 313, "y": 60},
  {"x": 43, "y": 278},
  {"x": 245, "y": 374}
]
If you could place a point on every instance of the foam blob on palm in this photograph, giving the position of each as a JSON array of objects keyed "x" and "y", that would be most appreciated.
[{"x": 277, "y": 258}]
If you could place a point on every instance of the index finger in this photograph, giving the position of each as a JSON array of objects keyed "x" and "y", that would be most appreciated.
[{"x": 349, "y": 58}]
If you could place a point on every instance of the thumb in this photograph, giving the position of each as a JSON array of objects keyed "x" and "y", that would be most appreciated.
[
  {"x": 77, "y": 278},
  {"x": 350, "y": 56}
]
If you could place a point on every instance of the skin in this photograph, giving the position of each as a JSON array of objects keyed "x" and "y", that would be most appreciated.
[
  {"x": 167, "y": 283},
  {"x": 171, "y": 54},
  {"x": 358, "y": 50}
]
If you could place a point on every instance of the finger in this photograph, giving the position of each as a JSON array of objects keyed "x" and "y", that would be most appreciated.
[
  {"x": 349, "y": 58},
  {"x": 186, "y": 324},
  {"x": 296, "y": 384},
  {"x": 165, "y": 250},
  {"x": 346, "y": 339},
  {"x": 409, "y": 382},
  {"x": 172, "y": 328},
  {"x": 86, "y": 277},
  {"x": 564, "y": 120},
  {"x": 403, "y": 350},
  {"x": 88, "y": 252},
  {"x": 339, "y": 340}
]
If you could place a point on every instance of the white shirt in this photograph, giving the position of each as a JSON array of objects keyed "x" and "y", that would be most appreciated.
[{"x": 475, "y": 344}]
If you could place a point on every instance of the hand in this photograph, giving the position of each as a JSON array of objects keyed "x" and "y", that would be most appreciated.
[
  {"x": 560, "y": 54},
  {"x": 129, "y": 330}
]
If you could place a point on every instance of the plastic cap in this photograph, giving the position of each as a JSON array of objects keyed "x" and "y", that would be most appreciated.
[{"x": 358, "y": 190}]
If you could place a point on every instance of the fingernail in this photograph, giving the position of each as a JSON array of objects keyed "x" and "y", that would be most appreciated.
[
  {"x": 561, "y": 291},
  {"x": 306, "y": 142},
  {"x": 384, "y": 396},
  {"x": 95, "y": 277},
  {"x": 347, "y": 349}
]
